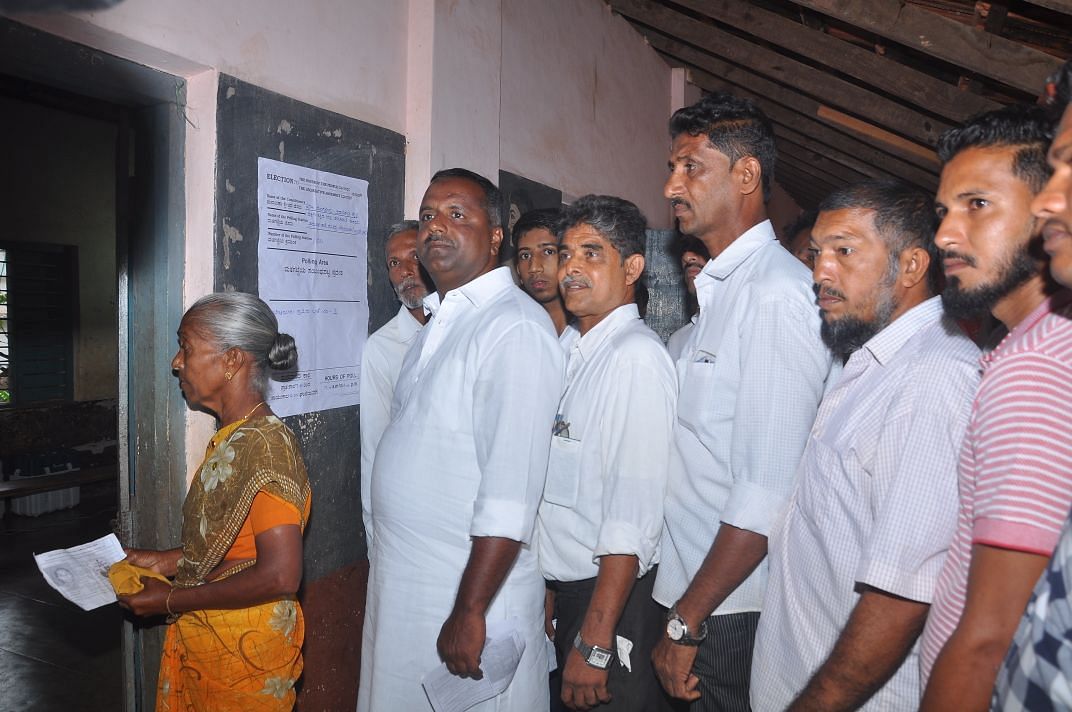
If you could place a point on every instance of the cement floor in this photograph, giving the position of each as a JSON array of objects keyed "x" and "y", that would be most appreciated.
[{"x": 53, "y": 655}]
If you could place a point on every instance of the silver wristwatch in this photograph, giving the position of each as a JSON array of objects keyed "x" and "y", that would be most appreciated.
[
  {"x": 593, "y": 655},
  {"x": 677, "y": 630}
]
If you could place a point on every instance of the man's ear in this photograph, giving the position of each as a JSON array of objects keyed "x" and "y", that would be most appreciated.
[
  {"x": 496, "y": 239},
  {"x": 749, "y": 174},
  {"x": 634, "y": 267},
  {"x": 915, "y": 262}
]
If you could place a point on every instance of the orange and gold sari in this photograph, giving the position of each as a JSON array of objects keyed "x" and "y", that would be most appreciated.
[{"x": 249, "y": 658}]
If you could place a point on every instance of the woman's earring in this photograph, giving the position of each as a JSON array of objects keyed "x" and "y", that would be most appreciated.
[{"x": 228, "y": 375}]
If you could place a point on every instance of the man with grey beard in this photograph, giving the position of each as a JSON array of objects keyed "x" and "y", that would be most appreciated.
[
  {"x": 381, "y": 359},
  {"x": 854, "y": 562}
]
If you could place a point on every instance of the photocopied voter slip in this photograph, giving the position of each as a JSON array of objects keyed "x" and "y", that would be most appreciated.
[
  {"x": 499, "y": 660},
  {"x": 80, "y": 573}
]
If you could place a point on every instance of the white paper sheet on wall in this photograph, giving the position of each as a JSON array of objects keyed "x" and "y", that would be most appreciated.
[{"x": 313, "y": 273}]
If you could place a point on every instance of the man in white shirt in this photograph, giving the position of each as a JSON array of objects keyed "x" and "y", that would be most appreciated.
[
  {"x": 693, "y": 257},
  {"x": 460, "y": 469},
  {"x": 854, "y": 564},
  {"x": 750, "y": 380},
  {"x": 598, "y": 526},
  {"x": 381, "y": 359},
  {"x": 536, "y": 262}
]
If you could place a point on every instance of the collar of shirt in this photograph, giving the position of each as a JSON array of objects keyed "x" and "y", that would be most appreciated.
[
  {"x": 478, "y": 291},
  {"x": 407, "y": 323},
  {"x": 885, "y": 344},
  {"x": 720, "y": 267},
  {"x": 1048, "y": 306},
  {"x": 589, "y": 343}
]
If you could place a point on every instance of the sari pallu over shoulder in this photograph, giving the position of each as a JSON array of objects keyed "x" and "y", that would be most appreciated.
[{"x": 242, "y": 459}]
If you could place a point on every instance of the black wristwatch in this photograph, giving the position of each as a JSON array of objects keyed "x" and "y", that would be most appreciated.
[
  {"x": 677, "y": 630},
  {"x": 593, "y": 655}
]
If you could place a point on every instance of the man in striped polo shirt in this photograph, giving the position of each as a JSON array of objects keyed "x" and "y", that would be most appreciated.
[{"x": 1015, "y": 466}]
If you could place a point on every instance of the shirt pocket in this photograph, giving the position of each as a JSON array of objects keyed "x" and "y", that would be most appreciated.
[
  {"x": 700, "y": 405},
  {"x": 563, "y": 472}
]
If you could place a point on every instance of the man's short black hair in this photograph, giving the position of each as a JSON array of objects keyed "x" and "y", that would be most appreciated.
[
  {"x": 1027, "y": 128},
  {"x": 492, "y": 196},
  {"x": 734, "y": 126},
  {"x": 688, "y": 243},
  {"x": 804, "y": 221},
  {"x": 617, "y": 220},
  {"x": 904, "y": 218},
  {"x": 546, "y": 218}
]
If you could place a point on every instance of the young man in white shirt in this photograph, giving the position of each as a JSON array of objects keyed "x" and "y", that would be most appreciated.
[
  {"x": 536, "y": 262},
  {"x": 598, "y": 526},
  {"x": 750, "y": 380}
]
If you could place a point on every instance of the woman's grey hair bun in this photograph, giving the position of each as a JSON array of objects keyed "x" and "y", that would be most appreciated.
[{"x": 283, "y": 353}]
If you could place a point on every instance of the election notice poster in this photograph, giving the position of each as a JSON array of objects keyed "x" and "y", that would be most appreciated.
[{"x": 313, "y": 272}]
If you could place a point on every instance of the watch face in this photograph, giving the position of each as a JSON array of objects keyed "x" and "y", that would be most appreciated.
[
  {"x": 675, "y": 630},
  {"x": 599, "y": 658}
]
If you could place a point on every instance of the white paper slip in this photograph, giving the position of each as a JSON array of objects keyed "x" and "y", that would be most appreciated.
[
  {"x": 502, "y": 652},
  {"x": 80, "y": 573}
]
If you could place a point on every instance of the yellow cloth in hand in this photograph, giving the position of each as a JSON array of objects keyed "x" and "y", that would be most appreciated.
[{"x": 125, "y": 577}]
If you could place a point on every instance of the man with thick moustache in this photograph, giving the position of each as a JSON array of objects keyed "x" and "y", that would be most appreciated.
[
  {"x": 381, "y": 359},
  {"x": 598, "y": 526},
  {"x": 750, "y": 378},
  {"x": 854, "y": 563},
  {"x": 1036, "y": 673},
  {"x": 1015, "y": 485},
  {"x": 460, "y": 469}
]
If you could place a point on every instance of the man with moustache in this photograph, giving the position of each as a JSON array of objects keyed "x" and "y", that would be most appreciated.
[
  {"x": 693, "y": 257},
  {"x": 1037, "y": 672},
  {"x": 854, "y": 562},
  {"x": 536, "y": 262},
  {"x": 598, "y": 526},
  {"x": 750, "y": 378},
  {"x": 1015, "y": 485},
  {"x": 381, "y": 359},
  {"x": 460, "y": 469}
]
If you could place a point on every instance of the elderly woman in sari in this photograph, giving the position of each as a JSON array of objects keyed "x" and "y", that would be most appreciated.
[{"x": 235, "y": 642}]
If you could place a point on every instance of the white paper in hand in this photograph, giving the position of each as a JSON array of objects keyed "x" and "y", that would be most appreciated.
[
  {"x": 80, "y": 573},
  {"x": 502, "y": 652}
]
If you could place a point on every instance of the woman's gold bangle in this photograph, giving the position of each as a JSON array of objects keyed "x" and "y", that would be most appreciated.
[{"x": 167, "y": 602}]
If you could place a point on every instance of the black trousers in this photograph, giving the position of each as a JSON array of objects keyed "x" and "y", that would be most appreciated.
[
  {"x": 643, "y": 622},
  {"x": 724, "y": 663}
]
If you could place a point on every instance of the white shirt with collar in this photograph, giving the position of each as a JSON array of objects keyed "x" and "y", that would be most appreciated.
[
  {"x": 381, "y": 360},
  {"x": 876, "y": 502},
  {"x": 465, "y": 455},
  {"x": 676, "y": 343},
  {"x": 606, "y": 477},
  {"x": 750, "y": 380}
]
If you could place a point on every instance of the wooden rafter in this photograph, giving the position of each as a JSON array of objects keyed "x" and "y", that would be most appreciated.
[
  {"x": 892, "y": 77},
  {"x": 849, "y": 97},
  {"x": 976, "y": 51}
]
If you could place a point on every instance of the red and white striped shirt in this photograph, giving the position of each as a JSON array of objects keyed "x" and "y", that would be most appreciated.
[{"x": 1015, "y": 466}]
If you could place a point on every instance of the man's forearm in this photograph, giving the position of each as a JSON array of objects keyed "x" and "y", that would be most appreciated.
[
  {"x": 617, "y": 573},
  {"x": 879, "y": 634},
  {"x": 489, "y": 562},
  {"x": 733, "y": 556}
]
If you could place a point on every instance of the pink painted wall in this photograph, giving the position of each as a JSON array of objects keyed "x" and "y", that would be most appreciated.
[{"x": 585, "y": 103}]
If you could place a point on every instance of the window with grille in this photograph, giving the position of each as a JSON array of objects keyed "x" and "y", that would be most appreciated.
[{"x": 38, "y": 303}]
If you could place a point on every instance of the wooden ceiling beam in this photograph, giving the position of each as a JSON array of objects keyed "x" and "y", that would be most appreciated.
[
  {"x": 834, "y": 141},
  {"x": 800, "y": 187},
  {"x": 894, "y": 78},
  {"x": 839, "y": 174},
  {"x": 1064, "y": 6},
  {"x": 964, "y": 46},
  {"x": 845, "y": 160},
  {"x": 848, "y": 96},
  {"x": 797, "y": 112}
]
